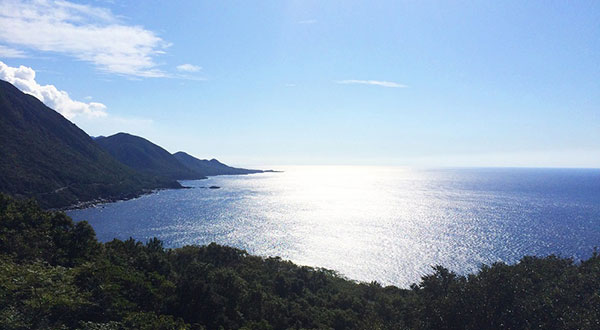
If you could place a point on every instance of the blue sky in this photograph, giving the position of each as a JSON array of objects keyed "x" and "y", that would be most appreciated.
[{"x": 417, "y": 83}]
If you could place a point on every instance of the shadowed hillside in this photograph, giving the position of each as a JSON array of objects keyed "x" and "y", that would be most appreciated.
[
  {"x": 43, "y": 155},
  {"x": 210, "y": 167},
  {"x": 146, "y": 156}
]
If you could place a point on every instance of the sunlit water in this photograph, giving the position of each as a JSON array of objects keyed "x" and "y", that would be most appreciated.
[{"x": 373, "y": 223}]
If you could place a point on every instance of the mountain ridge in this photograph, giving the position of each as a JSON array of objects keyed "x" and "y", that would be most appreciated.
[
  {"x": 145, "y": 156},
  {"x": 210, "y": 167},
  {"x": 45, "y": 156}
]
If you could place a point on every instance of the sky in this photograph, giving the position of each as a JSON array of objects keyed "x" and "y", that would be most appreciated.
[{"x": 399, "y": 83}]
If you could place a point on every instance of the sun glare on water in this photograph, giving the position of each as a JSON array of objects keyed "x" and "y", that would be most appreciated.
[{"x": 389, "y": 224}]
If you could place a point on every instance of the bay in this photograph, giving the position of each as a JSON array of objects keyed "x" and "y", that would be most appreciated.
[{"x": 388, "y": 224}]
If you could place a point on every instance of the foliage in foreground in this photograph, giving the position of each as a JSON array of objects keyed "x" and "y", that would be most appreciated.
[{"x": 55, "y": 274}]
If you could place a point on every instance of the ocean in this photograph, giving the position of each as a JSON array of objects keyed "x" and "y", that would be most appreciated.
[{"x": 385, "y": 224}]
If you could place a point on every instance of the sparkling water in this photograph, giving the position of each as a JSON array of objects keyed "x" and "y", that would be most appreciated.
[{"x": 387, "y": 224}]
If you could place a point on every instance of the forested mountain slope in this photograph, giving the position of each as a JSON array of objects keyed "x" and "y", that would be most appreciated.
[
  {"x": 145, "y": 156},
  {"x": 44, "y": 155}
]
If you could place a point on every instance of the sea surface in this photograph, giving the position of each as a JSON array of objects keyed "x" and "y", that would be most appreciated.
[{"x": 387, "y": 224}]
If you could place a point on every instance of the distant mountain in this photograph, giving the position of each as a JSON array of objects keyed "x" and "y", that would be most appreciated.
[
  {"x": 43, "y": 155},
  {"x": 146, "y": 156},
  {"x": 210, "y": 167}
]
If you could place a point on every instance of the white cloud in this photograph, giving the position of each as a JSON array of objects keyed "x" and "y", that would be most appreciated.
[
  {"x": 24, "y": 79},
  {"x": 372, "y": 82},
  {"x": 188, "y": 68},
  {"x": 308, "y": 21},
  {"x": 84, "y": 32},
  {"x": 8, "y": 52}
]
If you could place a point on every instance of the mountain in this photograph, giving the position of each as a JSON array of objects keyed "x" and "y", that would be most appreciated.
[
  {"x": 146, "y": 157},
  {"x": 210, "y": 167},
  {"x": 45, "y": 156}
]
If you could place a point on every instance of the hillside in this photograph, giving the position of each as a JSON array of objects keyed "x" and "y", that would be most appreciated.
[
  {"x": 145, "y": 156},
  {"x": 43, "y": 155},
  {"x": 210, "y": 167}
]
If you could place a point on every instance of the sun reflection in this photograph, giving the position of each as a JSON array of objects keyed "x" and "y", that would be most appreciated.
[{"x": 370, "y": 223}]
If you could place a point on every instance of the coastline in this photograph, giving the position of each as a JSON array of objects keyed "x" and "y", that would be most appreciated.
[{"x": 100, "y": 201}]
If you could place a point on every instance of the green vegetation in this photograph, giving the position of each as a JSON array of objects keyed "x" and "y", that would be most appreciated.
[
  {"x": 43, "y": 155},
  {"x": 55, "y": 274},
  {"x": 147, "y": 157}
]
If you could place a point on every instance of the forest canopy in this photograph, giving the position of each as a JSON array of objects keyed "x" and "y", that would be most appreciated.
[{"x": 55, "y": 274}]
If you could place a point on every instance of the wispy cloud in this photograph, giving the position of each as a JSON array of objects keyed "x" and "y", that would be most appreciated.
[
  {"x": 84, "y": 32},
  {"x": 188, "y": 68},
  {"x": 390, "y": 84},
  {"x": 8, "y": 52},
  {"x": 308, "y": 21},
  {"x": 24, "y": 78}
]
